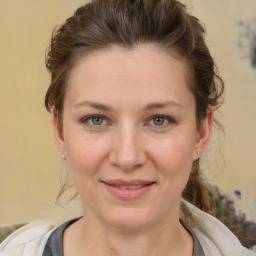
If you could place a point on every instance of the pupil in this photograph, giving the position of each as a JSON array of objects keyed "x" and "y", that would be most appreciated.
[
  {"x": 159, "y": 121},
  {"x": 97, "y": 120}
]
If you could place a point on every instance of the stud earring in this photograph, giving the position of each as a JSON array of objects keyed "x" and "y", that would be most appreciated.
[{"x": 63, "y": 156}]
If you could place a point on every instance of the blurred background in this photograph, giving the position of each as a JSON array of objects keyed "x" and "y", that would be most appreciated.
[{"x": 31, "y": 168}]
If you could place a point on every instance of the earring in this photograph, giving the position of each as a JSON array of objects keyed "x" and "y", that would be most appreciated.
[
  {"x": 64, "y": 158},
  {"x": 197, "y": 154}
]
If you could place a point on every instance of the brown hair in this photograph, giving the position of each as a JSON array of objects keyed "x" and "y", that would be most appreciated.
[{"x": 128, "y": 23}]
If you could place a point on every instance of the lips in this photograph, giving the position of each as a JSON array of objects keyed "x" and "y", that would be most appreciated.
[
  {"x": 128, "y": 190},
  {"x": 128, "y": 183}
]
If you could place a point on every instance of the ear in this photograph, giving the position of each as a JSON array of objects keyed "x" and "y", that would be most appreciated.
[
  {"x": 204, "y": 133},
  {"x": 57, "y": 133}
]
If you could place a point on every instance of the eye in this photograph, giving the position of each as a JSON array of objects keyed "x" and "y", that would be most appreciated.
[
  {"x": 94, "y": 120},
  {"x": 161, "y": 120},
  {"x": 158, "y": 121}
]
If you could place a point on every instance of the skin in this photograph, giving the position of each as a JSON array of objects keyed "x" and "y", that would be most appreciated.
[{"x": 128, "y": 143}]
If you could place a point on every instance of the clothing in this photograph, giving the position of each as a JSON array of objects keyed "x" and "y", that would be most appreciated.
[
  {"x": 54, "y": 246},
  {"x": 216, "y": 239}
]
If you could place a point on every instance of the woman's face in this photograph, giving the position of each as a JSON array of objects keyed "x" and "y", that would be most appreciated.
[{"x": 130, "y": 134}]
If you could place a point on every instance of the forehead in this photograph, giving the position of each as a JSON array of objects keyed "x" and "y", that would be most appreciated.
[{"x": 141, "y": 72}]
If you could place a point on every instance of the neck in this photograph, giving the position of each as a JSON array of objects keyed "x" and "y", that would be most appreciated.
[{"x": 92, "y": 238}]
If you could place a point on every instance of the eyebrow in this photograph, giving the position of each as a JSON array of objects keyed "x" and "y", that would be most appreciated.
[
  {"x": 149, "y": 106},
  {"x": 162, "y": 105},
  {"x": 95, "y": 105}
]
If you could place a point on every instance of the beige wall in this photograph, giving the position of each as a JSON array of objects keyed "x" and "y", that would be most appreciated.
[
  {"x": 30, "y": 165},
  {"x": 239, "y": 111}
]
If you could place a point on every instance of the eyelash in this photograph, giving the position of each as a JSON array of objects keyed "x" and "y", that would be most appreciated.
[
  {"x": 169, "y": 119},
  {"x": 87, "y": 118}
]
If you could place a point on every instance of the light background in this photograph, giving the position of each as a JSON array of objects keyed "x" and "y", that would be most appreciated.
[{"x": 31, "y": 166}]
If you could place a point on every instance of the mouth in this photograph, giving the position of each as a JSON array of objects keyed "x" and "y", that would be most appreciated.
[
  {"x": 128, "y": 190},
  {"x": 130, "y": 187}
]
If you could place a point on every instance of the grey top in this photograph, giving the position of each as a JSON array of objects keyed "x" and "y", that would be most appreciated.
[{"x": 54, "y": 245}]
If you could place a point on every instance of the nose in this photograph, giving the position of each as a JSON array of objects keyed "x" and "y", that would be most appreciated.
[{"x": 127, "y": 149}]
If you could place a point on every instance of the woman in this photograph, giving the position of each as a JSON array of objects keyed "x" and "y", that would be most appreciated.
[{"x": 132, "y": 96}]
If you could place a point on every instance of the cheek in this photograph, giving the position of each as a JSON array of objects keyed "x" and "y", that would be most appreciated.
[
  {"x": 86, "y": 154},
  {"x": 174, "y": 158},
  {"x": 174, "y": 151},
  {"x": 85, "y": 157}
]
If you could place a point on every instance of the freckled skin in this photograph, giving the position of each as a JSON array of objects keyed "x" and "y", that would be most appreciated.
[{"x": 128, "y": 144}]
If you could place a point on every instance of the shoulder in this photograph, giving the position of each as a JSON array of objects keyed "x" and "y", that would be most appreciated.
[
  {"x": 29, "y": 240},
  {"x": 216, "y": 239}
]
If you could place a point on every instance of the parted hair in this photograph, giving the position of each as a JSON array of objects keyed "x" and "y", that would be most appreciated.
[{"x": 129, "y": 23}]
